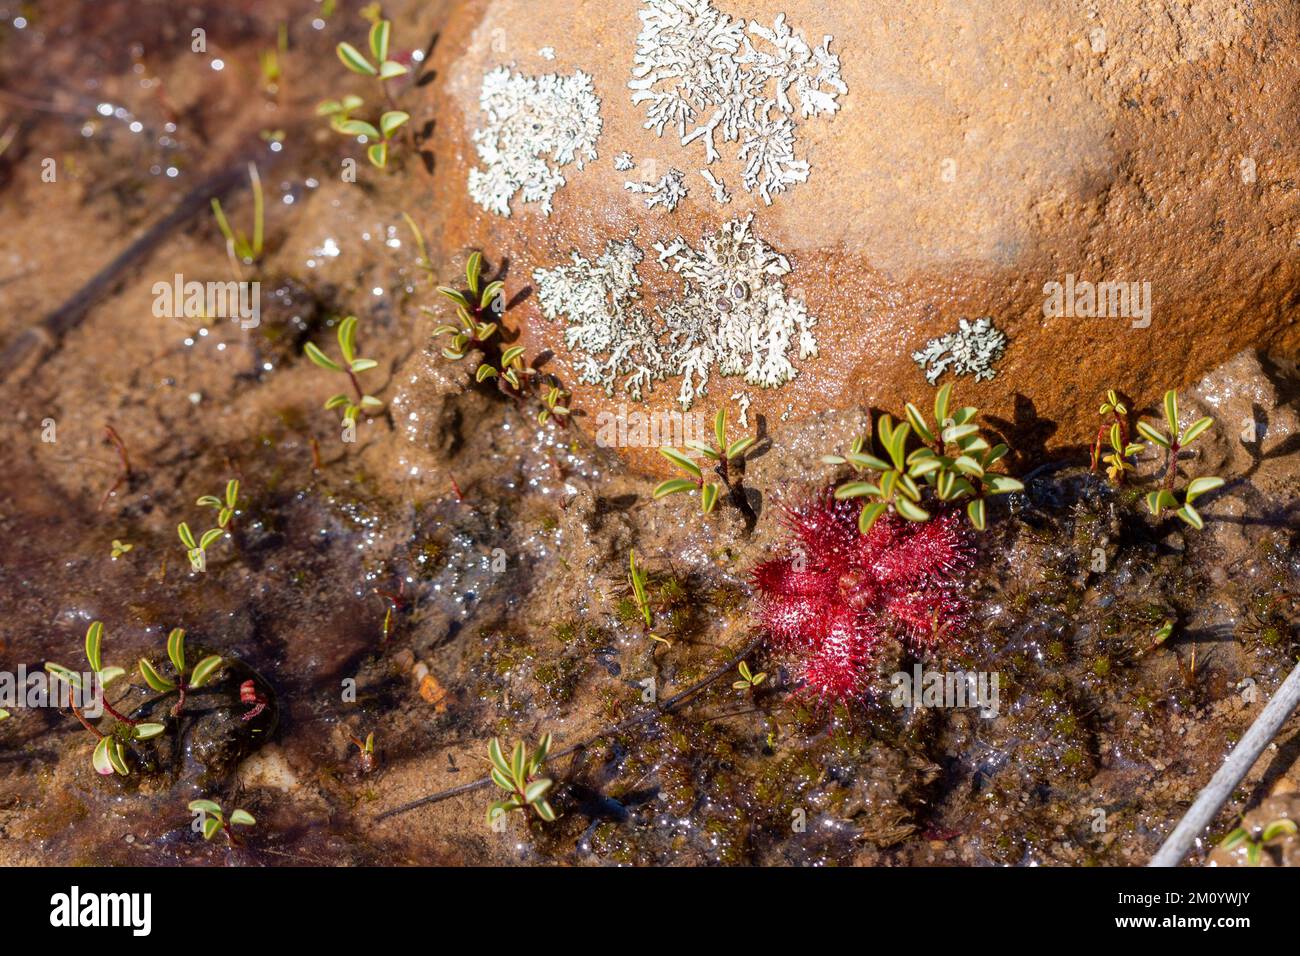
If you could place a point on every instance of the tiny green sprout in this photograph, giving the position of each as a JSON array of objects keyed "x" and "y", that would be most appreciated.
[
  {"x": 513, "y": 372},
  {"x": 1255, "y": 845},
  {"x": 1173, "y": 443},
  {"x": 729, "y": 459},
  {"x": 1113, "y": 409},
  {"x": 473, "y": 310},
  {"x": 1119, "y": 461},
  {"x": 242, "y": 250},
  {"x": 748, "y": 680},
  {"x": 120, "y": 548},
  {"x": 353, "y": 366},
  {"x": 518, "y": 777},
  {"x": 553, "y": 406},
  {"x": 187, "y": 679},
  {"x": 640, "y": 594},
  {"x": 109, "y": 755},
  {"x": 225, "y": 505},
  {"x": 953, "y": 463},
  {"x": 379, "y": 135},
  {"x": 214, "y": 819},
  {"x": 197, "y": 549},
  {"x": 367, "y": 750}
]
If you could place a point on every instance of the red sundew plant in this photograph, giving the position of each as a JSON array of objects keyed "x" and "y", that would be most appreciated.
[{"x": 831, "y": 604}]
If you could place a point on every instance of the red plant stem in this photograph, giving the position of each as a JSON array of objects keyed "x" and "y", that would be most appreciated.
[
  {"x": 85, "y": 723},
  {"x": 1171, "y": 472},
  {"x": 122, "y": 717},
  {"x": 355, "y": 385}
]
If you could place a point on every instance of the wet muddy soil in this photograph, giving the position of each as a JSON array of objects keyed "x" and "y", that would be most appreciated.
[{"x": 458, "y": 571}]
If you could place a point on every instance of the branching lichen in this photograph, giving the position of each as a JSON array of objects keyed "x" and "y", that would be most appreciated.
[
  {"x": 697, "y": 67},
  {"x": 971, "y": 350},
  {"x": 535, "y": 126},
  {"x": 733, "y": 315}
]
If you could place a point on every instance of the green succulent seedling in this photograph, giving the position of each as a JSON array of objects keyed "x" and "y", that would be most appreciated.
[
  {"x": 726, "y": 456},
  {"x": 513, "y": 370},
  {"x": 226, "y": 505},
  {"x": 472, "y": 311},
  {"x": 553, "y": 405},
  {"x": 214, "y": 819},
  {"x": 1118, "y": 461},
  {"x": 109, "y": 755},
  {"x": 640, "y": 594},
  {"x": 954, "y": 463},
  {"x": 241, "y": 249},
  {"x": 518, "y": 777},
  {"x": 340, "y": 111},
  {"x": 1113, "y": 409},
  {"x": 187, "y": 679},
  {"x": 120, "y": 548},
  {"x": 1173, "y": 443},
  {"x": 748, "y": 680},
  {"x": 1255, "y": 845},
  {"x": 352, "y": 367}
]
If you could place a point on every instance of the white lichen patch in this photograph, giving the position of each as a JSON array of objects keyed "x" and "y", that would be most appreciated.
[
  {"x": 536, "y": 125},
  {"x": 971, "y": 350},
  {"x": 624, "y": 162},
  {"x": 734, "y": 316},
  {"x": 668, "y": 192},
  {"x": 711, "y": 76}
]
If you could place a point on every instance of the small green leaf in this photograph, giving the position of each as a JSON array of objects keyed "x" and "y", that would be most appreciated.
[
  {"x": 740, "y": 446},
  {"x": 203, "y": 670},
  {"x": 870, "y": 512},
  {"x": 337, "y": 401},
  {"x": 1200, "y": 486},
  {"x": 377, "y": 153},
  {"x": 536, "y": 790},
  {"x": 542, "y": 751},
  {"x": 1277, "y": 828},
  {"x": 94, "y": 638},
  {"x": 918, "y": 423},
  {"x": 1002, "y": 484},
  {"x": 856, "y": 489},
  {"x": 364, "y": 365},
  {"x": 1191, "y": 516},
  {"x": 491, "y": 293},
  {"x": 110, "y": 674},
  {"x": 243, "y": 818},
  {"x": 1171, "y": 411},
  {"x": 498, "y": 757},
  {"x": 911, "y": 511},
  {"x": 1234, "y": 839},
  {"x": 117, "y": 757},
  {"x": 320, "y": 358},
  {"x": 720, "y": 427},
  {"x": 70, "y": 677},
  {"x": 1151, "y": 435},
  {"x": 186, "y": 536},
  {"x": 176, "y": 649},
  {"x": 391, "y": 69},
  {"x": 955, "y": 432},
  {"x": 354, "y": 61},
  {"x": 210, "y": 537},
  {"x": 518, "y": 764},
  {"x": 484, "y": 373},
  {"x": 205, "y": 806},
  {"x": 211, "y": 825},
  {"x": 379, "y": 34},
  {"x": 941, "y": 404},
  {"x": 1195, "y": 430},
  {"x": 975, "y": 511},
  {"x": 682, "y": 462},
  {"x": 153, "y": 678},
  {"x": 100, "y": 759},
  {"x": 708, "y": 498},
  {"x": 863, "y": 461},
  {"x": 347, "y": 336},
  {"x": 512, "y": 355},
  {"x": 232, "y": 493},
  {"x": 545, "y": 811},
  {"x": 147, "y": 731},
  {"x": 672, "y": 487},
  {"x": 392, "y": 121}
]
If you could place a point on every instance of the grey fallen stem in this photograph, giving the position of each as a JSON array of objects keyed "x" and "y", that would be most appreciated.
[{"x": 1232, "y": 772}]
